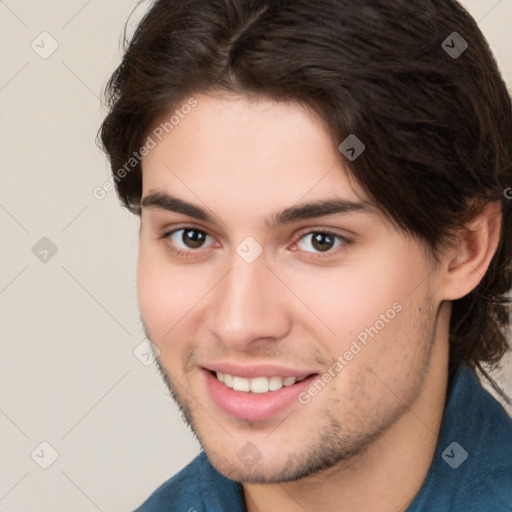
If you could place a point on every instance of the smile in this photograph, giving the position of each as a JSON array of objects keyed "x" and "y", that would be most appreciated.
[{"x": 257, "y": 384}]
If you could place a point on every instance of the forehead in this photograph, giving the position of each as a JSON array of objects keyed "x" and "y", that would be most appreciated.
[{"x": 253, "y": 151}]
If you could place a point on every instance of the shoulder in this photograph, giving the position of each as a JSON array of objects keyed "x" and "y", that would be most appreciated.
[
  {"x": 198, "y": 487},
  {"x": 491, "y": 445},
  {"x": 180, "y": 493},
  {"x": 472, "y": 467}
]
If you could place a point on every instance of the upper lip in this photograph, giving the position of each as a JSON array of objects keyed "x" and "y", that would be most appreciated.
[{"x": 256, "y": 370}]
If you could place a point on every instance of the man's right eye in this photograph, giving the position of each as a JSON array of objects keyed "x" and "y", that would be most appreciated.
[{"x": 186, "y": 240}]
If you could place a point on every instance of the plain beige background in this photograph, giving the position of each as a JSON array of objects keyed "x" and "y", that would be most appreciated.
[{"x": 74, "y": 370}]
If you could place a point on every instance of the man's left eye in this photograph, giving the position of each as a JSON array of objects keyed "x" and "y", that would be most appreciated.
[{"x": 320, "y": 241}]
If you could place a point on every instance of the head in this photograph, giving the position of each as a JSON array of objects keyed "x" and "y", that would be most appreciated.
[{"x": 234, "y": 122}]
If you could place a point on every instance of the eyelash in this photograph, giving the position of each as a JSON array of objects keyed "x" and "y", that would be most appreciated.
[{"x": 188, "y": 253}]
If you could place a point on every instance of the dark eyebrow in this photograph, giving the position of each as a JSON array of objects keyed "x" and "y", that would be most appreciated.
[
  {"x": 170, "y": 203},
  {"x": 320, "y": 208}
]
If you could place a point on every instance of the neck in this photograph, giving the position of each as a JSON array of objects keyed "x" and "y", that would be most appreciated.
[{"x": 386, "y": 476}]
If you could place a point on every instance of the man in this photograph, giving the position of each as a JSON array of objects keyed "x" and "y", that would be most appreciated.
[{"x": 325, "y": 249}]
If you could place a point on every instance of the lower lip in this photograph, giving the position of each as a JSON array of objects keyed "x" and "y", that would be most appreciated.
[{"x": 253, "y": 406}]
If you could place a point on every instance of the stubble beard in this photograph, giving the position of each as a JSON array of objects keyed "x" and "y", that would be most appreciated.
[{"x": 332, "y": 444}]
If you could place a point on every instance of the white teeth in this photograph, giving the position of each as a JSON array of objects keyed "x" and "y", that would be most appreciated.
[
  {"x": 289, "y": 381},
  {"x": 228, "y": 379},
  {"x": 258, "y": 384},
  {"x": 275, "y": 383},
  {"x": 241, "y": 384}
]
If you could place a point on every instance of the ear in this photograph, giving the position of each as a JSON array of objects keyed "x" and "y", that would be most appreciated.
[{"x": 466, "y": 262}]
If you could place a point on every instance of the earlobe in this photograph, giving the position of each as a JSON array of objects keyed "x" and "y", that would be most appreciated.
[{"x": 470, "y": 257}]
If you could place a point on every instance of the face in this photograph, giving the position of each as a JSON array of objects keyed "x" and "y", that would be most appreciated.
[{"x": 239, "y": 281}]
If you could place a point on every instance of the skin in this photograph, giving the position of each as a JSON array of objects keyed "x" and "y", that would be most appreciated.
[{"x": 376, "y": 424}]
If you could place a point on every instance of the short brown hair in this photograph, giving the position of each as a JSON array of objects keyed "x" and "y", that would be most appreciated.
[{"x": 437, "y": 126}]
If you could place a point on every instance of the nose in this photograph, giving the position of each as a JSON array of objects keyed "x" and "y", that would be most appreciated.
[{"x": 249, "y": 305}]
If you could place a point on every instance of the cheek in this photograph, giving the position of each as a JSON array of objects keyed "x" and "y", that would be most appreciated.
[
  {"x": 161, "y": 292},
  {"x": 370, "y": 308},
  {"x": 170, "y": 296},
  {"x": 351, "y": 300}
]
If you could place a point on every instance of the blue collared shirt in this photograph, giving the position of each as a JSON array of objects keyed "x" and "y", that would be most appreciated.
[{"x": 471, "y": 470}]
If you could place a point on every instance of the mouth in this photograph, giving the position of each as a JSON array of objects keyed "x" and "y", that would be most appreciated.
[
  {"x": 256, "y": 398},
  {"x": 256, "y": 384}
]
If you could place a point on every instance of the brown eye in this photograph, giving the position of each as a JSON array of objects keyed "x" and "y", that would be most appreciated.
[
  {"x": 319, "y": 241},
  {"x": 187, "y": 238},
  {"x": 193, "y": 238},
  {"x": 322, "y": 241}
]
